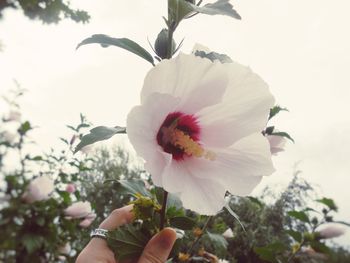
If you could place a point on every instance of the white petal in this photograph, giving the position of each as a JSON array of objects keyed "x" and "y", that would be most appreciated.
[
  {"x": 277, "y": 143},
  {"x": 244, "y": 110},
  {"x": 143, "y": 123},
  {"x": 240, "y": 168},
  {"x": 197, "y": 81},
  {"x": 202, "y": 195}
]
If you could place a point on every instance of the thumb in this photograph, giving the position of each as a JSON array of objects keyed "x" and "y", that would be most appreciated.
[{"x": 159, "y": 247}]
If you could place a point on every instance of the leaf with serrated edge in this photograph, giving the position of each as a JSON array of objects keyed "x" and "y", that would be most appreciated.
[
  {"x": 220, "y": 7},
  {"x": 127, "y": 242},
  {"x": 123, "y": 43}
]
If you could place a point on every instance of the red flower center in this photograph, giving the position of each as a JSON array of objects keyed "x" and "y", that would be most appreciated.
[{"x": 179, "y": 135}]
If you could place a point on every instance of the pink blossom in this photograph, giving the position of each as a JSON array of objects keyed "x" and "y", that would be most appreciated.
[
  {"x": 70, "y": 188},
  {"x": 78, "y": 210},
  {"x": 38, "y": 189},
  {"x": 81, "y": 210},
  {"x": 88, "y": 220},
  {"x": 331, "y": 231}
]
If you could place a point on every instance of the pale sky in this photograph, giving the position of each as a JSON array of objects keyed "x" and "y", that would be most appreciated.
[{"x": 301, "y": 48}]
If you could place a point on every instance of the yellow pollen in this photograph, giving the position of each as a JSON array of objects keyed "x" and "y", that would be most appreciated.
[{"x": 182, "y": 140}]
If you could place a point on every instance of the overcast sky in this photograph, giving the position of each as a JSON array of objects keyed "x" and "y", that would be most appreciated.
[{"x": 301, "y": 48}]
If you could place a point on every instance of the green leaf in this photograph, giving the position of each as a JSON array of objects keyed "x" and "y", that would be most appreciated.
[
  {"x": 32, "y": 242},
  {"x": 319, "y": 247},
  {"x": 123, "y": 43},
  {"x": 178, "y": 10},
  {"x": 328, "y": 202},
  {"x": 220, "y": 7},
  {"x": 297, "y": 236},
  {"x": 300, "y": 215},
  {"x": 270, "y": 251},
  {"x": 127, "y": 242},
  {"x": 218, "y": 240},
  {"x": 182, "y": 222},
  {"x": 283, "y": 134},
  {"x": 24, "y": 128},
  {"x": 269, "y": 130},
  {"x": 99, "y": 133},
  {"x": 265, "y": 254},
  {"x": 132, "y": 186},
  {"x": 213, "y": 56},
  {"x": 275, "y": 110},
  {"x": 256, "y": 201}
]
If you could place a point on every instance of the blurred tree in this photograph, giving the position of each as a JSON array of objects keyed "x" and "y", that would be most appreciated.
[{"x": 48, "y": 11}]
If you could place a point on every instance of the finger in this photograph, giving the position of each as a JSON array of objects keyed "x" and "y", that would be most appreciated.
[
  {"x": 118, "y": 217},
  {"x": 159, "y": 247}
]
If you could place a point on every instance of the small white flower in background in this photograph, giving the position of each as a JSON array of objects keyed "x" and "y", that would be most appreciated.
[
  {"x": 8, "y": 136},
  {"x": 14, "y": 116},
  {"x": 68, "y": 169},
  {"x": 87, "y": 149},
  {"x": 277, "y": 143},
  {"x": 228, "y": 233},
  {"x": 78, "y": 210},
  {"x": 331, "y": 231},
  {"x": 70, "y": 188},
  {"x": 179, "y": 233},
  {"x": 223, "y": 261},
  {"x": 39, "y": 189},
  {"x": 198, "y": 128},
  {"x": 65, "y": 250}
]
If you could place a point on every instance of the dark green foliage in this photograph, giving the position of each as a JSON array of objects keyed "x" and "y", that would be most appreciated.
[
  {"x": 124, "y": 43},
  {"x": 48, "y": 11}
]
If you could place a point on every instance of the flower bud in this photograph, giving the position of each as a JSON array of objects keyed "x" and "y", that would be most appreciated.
[
  {"x": 70, "y": 188},
  {"x": 331, "y": 232},
  {"x": 161, "y": 44},
  {"x": 38, "y": 189},
  {"x": 277, "y": 143}
]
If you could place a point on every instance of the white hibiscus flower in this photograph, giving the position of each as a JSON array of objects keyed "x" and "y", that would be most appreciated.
[
  {"x": 198, "y": 128},
  {"x": 39, "y": 189}
]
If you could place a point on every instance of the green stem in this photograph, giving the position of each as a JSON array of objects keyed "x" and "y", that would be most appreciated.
[
  {"x": 199, "y": 237},
  {"x": 163, "y": 210}
]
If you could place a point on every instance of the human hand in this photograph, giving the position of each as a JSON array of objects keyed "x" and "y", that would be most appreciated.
[{"x": 157, "y": 249}]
